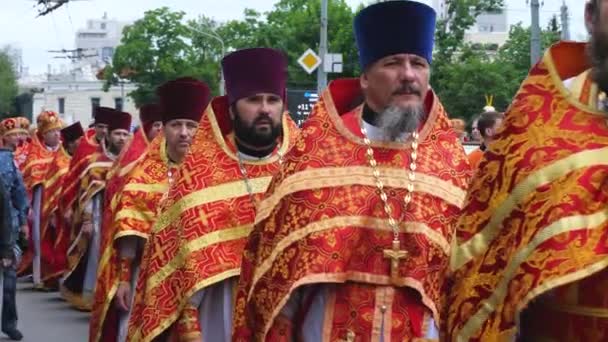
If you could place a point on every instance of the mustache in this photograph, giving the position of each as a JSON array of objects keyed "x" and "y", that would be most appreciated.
[
  {"x": 263, "y": 118},
  {"x": 408, "y": 89}
]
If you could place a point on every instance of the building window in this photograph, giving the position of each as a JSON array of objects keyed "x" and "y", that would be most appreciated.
[
  {"x": 103, "y": 26},
  {"x": 87, "y": 35},
  {"x": 118, "y": 103},
  {"x": 61, "y": 105},
  {"x": 107, "y": 53},
  {"x": 95, "y": 102}
]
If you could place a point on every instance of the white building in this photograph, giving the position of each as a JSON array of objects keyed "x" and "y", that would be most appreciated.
[
  {"x": 75, "y": 95},
  {"x": 74, "y": 90},
  {"x": 490, "y": 29},
  {"x": 100, "y": 39},
  {"x": 440, "y": 8}
]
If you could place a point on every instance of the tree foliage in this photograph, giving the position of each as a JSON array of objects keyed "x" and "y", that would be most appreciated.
[
  {"x": 162, "y": 46},
  {"x": 516, "y": 51},
  {"x": 293, "y": 26},
  {"x": 157, "y": 48},
  {"x": 464, "y": 79},
  {"x": 8, "y": 83}
]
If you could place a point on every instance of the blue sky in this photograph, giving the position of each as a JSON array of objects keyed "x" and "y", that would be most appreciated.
[{"x": 35, "y": 36}]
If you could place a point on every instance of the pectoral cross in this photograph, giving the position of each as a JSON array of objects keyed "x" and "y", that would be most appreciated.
[
  {"x": 350, "y": 337},
  {"x": 395, "y": 254}
]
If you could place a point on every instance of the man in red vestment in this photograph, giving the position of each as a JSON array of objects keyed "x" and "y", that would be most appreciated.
[
  {"x": 25, "y": 139},
  {"x": 352, "y": 241},
  {"x": 151, "y": 123},
  {"x": 532, "y": 259},
  {"x": 41, "y": 152},
  {"x": 12, "y": 133},
  {"x": 85, "y": 234},
  {"x": 93, "y": 141},
  {"x": 182, "y": 103},
  {"x": 192, "y": 259},
  {"x": 53, "y": 259}
]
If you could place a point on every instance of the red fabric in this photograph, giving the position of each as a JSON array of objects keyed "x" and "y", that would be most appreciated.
[{"x": 80, "y": 160}]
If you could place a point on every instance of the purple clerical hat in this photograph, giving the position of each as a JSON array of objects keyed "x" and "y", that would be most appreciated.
[{"x": 252, "y": 71}]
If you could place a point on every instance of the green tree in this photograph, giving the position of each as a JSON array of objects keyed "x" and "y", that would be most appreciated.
[
  {"x": 8, "y": 83},
  {"x": 293, "y": 26},
  {"x": 157, "y": 48},
  {"x": 452, "y": 54},
  {"x": 516, "y": 51},
  {"x": 467, "y": 83}
]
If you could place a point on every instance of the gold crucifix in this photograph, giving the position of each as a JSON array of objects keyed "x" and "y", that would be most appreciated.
[
  {"x": 350, "y": 336},
  {"x": 395, "y": 254}
]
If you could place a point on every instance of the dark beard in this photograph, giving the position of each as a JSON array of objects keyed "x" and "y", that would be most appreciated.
[
  {"x": 598, "y": 53},
  {"x": 249, "y": 135},
  {"x": 396, "y": 121}
]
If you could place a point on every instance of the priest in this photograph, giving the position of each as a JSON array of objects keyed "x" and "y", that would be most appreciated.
[{"x": 353, "y": 239}]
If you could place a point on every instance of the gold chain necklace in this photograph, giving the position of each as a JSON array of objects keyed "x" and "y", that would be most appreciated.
[
  {"x": 395, "y": 254},
  {"x": 245, "y": 175}
]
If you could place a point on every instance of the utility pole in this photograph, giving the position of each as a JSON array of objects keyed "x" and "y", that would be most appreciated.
[
  {"x": 535, "y": 47},
  {"x": 565, "y": 22},
  {"x": 321, "y": 75}
]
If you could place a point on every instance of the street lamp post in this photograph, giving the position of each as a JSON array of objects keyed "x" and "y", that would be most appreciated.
[
  {"x": 121, "y": 81},
  {"x": 217, "y": 37}
]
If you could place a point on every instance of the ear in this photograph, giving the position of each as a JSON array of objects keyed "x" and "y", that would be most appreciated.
[
  {"x": 488, "y": 132},
  {"x": 231, "y": 111},
  {"x": 363, "y": 81}
]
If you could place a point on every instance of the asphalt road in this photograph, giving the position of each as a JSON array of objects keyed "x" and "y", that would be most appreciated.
[{"x": 46, "y": 317}]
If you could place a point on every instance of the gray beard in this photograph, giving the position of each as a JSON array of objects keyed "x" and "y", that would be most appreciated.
[{"x": 396, "y": 121}]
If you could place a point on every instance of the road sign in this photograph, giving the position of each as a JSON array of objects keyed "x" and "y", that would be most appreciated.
[
  {"x": 300, "y": 104},
  {"x": 333, "y": 63},
  {"x": 309, "y": 61}
]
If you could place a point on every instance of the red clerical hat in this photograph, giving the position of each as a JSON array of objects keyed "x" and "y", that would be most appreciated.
[
  {"x": 72, "y": 132},
  {"x": 103, "y": 115},
  {"x": 149, "y": 113},
  {"x": 253, "y": 71},
  {"x": 183, "y": 98},
  {"x": 120, "y": 120}
]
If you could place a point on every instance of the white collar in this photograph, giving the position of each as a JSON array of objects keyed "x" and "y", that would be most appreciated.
[
  {"x": 252, "y": 158},
  {"x": 52, "y": 149}
]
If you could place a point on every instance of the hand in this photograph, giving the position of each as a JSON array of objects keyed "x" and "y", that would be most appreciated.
[
  {"x": 26, "y": 231},
  {"x": 67, "y": 216},
  {"x": 87, "y": 228},
  {"x": 123, "y": 295},
  {"x": 7, "y": 263}
]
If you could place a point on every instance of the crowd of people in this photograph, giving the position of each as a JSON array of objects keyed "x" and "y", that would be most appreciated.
[{"x": 219, "y": 219}]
